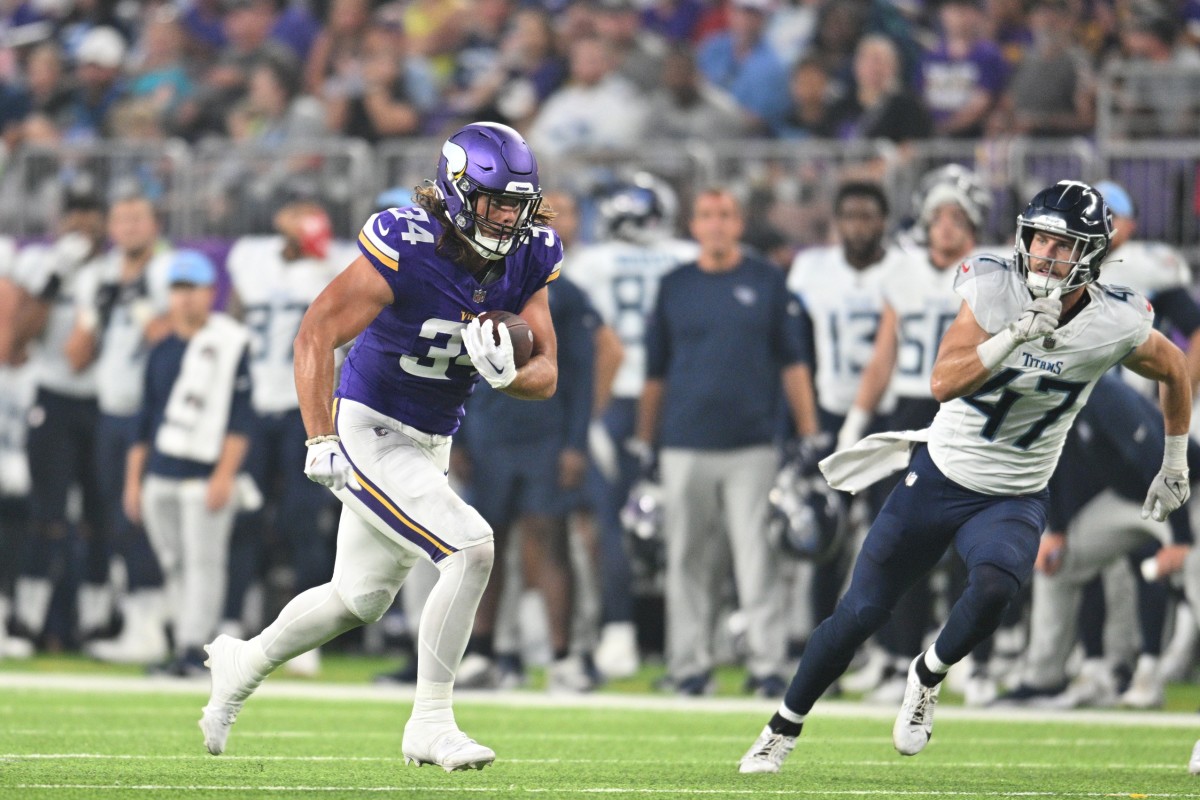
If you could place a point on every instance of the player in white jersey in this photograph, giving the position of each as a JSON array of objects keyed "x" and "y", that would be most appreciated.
[
  {"x": 919, "y": 305},
  {"x": 16, "y": 396},
  {"x": 841, "y": 287},
  {"x": 60, "y": 443},
  {"x": 1032, "y": 338},
  {"x": 127, "y": 316},
  {"x": 275, "y": 279},
  {"x": 620, "y": 275}
]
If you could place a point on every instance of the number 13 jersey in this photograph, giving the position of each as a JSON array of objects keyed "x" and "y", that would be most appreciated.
[
  {"x": 410, "y": 362},
  {"x": 1006, "y": 437}
]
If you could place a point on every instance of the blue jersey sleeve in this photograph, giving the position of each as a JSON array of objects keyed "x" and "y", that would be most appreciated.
[{"x": 575, "y": 321}]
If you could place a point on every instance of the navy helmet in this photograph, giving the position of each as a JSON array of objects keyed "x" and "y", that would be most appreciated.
[
  {"x": 1077, "y": 212},
  {"x": 640, "y": 211},
  {"x": 491, "y": 161}
]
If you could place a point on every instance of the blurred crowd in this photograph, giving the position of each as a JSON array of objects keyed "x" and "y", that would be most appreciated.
[{"x": 582, "y": 73}]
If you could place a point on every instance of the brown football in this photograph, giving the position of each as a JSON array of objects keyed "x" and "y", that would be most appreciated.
[{"x": 518, "y": 331}]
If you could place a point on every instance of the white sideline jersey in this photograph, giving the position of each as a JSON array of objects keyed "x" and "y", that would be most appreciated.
[
  {"x": 121, "y": 362},
  {"x": 1006, "y": 438},
  {"x": 1147, "y": 267},
  {"x": 844, "y": 304},
  {"x": 925, "y": 303},
  {"x": 275, "y": 294},
  {"x": 37, "y": 266},
  {"x": 621, "y": 279}
]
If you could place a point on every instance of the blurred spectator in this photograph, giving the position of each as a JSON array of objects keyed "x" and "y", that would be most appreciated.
[
  {"x": 839, "y": 27},
  {"x": 336, "y": 54},
  {"x": 1052, "y": 92},
  {"x": 161, "y": 77},
  {"x": 811, "y": 114},
  {"x": 434, "y": 29},
  {"x": 295, "y": 28},
  {"x": 247, "y": 28},
  {"x": 529, "y": 70},
  {"x": 1162, "y": 104},
  {"x": 1009, "y": 28},
  {"x": 687, "y": 106},
  {"x": 964, "y": 75},
  {"x": 191, "y": 437},
  {"x": 792, "y": 27},
  {"x": 49, "y": 90},
  {"x": 639, "y": 53},
  {"x": 14, "y": 109},
  {"x": 478, "y": 51},
  {"x": 380, "y": 91},
  {"x": 99, "y": 58},
  {"x": 596, "y": 109},
  {"x": 742, "y": 62},
  {"x": 881, "y": 107},
  {"x": 673, "y": 20},
  {"x": 274, "y": 114}
]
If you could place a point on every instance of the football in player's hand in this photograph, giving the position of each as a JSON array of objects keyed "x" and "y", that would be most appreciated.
[{"x": 518, "y": 331}]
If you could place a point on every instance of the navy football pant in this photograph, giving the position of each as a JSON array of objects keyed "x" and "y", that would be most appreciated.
[{"x": 996, "y": 537}]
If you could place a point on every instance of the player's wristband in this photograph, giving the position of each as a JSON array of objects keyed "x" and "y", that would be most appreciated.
[
  {"x": 329, "y": 437},
  {"x": 1175, "y": 453},
  {"x": 993, "y": 352}
]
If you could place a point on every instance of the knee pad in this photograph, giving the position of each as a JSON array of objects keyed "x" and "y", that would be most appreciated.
[
  {"x": 871, "y": 618},
  {"x": 367, "y": 597},
  {"x": 992, "y": 586},
  {"x": 475, "y": 561}
]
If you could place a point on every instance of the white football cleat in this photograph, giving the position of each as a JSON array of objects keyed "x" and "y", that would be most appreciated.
[
  {"x": 1146, "y": 689},
  {"x": 230, "y": 688},
  {"x": 767, "y": 753},
  {"x": 1194, "y": 763},
  {"x": 914, "y": 723},
  {"x": 616, "y": 655},
  {"x": 448, "y": 748}
]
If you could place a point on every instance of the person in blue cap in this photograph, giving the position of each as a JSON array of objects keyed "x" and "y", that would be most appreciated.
[{"x": 192, "y": 437}]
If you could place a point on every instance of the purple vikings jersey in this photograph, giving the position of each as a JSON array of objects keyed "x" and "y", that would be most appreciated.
[{"x": 410, "y": 362}]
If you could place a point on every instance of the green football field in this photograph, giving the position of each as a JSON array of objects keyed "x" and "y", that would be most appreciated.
[{"x": 115, "y": 737}]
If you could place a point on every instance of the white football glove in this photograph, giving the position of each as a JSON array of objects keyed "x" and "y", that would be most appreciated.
[
  {"x": 493, "y": 361},
  {"x": 1168, "y": 491},
  {"x": 325, "y": 464},
  {"x": 1040, "y": 318}
]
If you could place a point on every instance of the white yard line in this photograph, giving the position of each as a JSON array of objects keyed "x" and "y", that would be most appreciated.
[{"x": 284, "y": 688}]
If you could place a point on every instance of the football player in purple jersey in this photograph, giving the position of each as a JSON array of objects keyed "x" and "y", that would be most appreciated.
[{"x": 476, "y": 240}]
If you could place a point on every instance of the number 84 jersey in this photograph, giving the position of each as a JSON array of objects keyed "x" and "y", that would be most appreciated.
[
  {"x": 410, "y": 362},
  {"x": 1006, "y": 438}
]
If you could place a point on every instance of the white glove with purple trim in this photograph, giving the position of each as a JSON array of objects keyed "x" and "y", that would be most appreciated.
[
  {"x": 326, "y": 464},
  {"x": 494, "y": 362}
]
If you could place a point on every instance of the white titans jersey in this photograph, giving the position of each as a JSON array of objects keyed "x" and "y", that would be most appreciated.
[
  {"x": 121, "y": 363},
  {"x": 1005, "y": 439},
  {"x": 621, "y": 279},
  {"x": 1146, "y": 267},
  {"x": 275, "y": 294},
  {"x": 37, "y": 266},
  {"x": 844, "y": 304},
  {"x": 925, "y": 303}
]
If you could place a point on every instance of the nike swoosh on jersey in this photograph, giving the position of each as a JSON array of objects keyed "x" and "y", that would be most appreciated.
[{"x": 382, "y": 230}]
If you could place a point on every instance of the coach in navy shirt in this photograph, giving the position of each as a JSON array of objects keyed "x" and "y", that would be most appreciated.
[{"x": 722, "y": 342}]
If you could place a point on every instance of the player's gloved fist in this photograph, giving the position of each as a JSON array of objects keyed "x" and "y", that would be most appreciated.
[
  {"x": 327, "y": 465},
  {"x": 494, "y": 362},
  {"x": 1168, "y": 491},
  {"x": 1040, "y": 318}
]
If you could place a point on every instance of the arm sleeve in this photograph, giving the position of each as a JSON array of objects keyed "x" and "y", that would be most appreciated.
[
  {"x": 145, "y": 414},
  {"x": 658, "y": 349},
  {"x": 789, "y": 336},
  {"x": 1071, "y": 486}
]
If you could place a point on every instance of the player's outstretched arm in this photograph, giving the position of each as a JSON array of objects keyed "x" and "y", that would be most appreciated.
[
  {"x": 1157, "y": 358},
  {"x": 959, "y": 369},
  {"x": 342, "y": 311},
  {"x": 538, "y": 379}
]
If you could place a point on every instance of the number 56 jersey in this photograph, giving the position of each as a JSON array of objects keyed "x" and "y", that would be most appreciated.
[
  {"x": 1005, "y": 439},
  {"x": 410, "y": 362}
]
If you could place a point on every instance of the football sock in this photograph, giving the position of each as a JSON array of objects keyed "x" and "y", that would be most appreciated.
[
  {"x": 309, "y": 620},
  {"x": 927, "y": 675},
  {"x": 781, "y": 724},
  {"x": 450, "y": 612}
]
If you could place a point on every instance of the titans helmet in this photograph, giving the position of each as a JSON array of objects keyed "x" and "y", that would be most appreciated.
[
  {"x": 807, "y": 517},
  {"x": 952, "y": 183},
  {"x": 640, "y": 211},
  {"x": 1077, "y": 212},
  {"x": 489, "y": 162}
]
